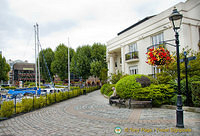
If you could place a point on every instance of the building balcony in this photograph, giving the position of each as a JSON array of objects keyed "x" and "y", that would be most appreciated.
[{"x": 132, "y": 56}]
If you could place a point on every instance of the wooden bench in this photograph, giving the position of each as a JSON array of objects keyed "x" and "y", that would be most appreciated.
[
  {"x": 117, "y": 101},
  {"x": 137, "y": 102}
]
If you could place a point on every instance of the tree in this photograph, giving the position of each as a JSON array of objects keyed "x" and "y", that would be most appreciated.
[
  {"x": 4, "y": 69},
  {"x": 81, "y": 61},
  {"x": 96, "y": 67},
  {"x": 104, "y": 75},
  {"x": 49, "y": 58},
  {"x": 60, "y": 64},
  {"x": 98, "y": 59}
]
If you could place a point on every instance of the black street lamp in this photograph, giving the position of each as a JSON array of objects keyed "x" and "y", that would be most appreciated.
[{"x": 176, "y": 19}]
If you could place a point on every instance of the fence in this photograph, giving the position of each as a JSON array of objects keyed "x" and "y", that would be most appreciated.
[{"x": 13, "y": 108}]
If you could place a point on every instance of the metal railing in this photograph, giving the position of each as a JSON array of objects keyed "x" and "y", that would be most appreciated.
[{"x": 131, "y": 55}]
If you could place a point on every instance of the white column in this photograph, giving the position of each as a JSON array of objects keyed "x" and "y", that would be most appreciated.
[
  {"x": 123, "y": 59},
  {"x": 112, "y": 64}
]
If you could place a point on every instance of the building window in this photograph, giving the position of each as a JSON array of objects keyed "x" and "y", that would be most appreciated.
[
  {"x": 133, "y": 52},
  {"x": 133, "y": 47},
  {"x": 157, "y": 39},
  {"x": 133, "y": 70},
  {"x": 115, "y": 64}
]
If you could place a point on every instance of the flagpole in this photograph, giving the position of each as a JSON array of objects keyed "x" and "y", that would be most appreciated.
[{"x": 68, "y": 66}]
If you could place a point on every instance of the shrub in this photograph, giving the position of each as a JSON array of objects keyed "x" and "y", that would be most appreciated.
[
  {"x": 196, "y": 93},
  {"x": 104, "y": 88},
  {"x": 107, "y": 89},
  {"x": 173, "y": 100},
  {"x": 160, "y": 94},
  {"x": 116, "y": 77},
  {"x": 27, "y": 104},
  {"x": 19, "y": 107},
  {"x": 126, "y": 86},
  {"x": 7, "y": 109},
  {"x": 144, "y": 81}
]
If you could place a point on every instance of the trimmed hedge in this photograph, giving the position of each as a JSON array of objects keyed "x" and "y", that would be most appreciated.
[
  {"x": 7, "y": 109},
  {"x": 160, "y": 94},
  {"x": 196, "y": 93},
  {"x": 107, "y": 89},
  {"x": 28, "y": 104},
  {"x": 126, "y": 86}
]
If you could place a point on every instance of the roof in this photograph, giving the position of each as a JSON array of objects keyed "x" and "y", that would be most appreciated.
[
  {"x": 134, "y": 25},
  {"x": 24, "y": 66}
]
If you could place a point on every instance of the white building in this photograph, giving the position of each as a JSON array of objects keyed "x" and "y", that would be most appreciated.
[{"x": 126, "y": 53}]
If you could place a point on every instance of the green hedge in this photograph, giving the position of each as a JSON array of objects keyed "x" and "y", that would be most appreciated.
[
  {"x": 28, "y": 104},
  {"x": 160, "y": 94},
  {"x": 196, "y": 93},
  {"x": 106, "y": 89},
  {"x": 7, "y": 109},
  {"x": 126, "y": 86}
]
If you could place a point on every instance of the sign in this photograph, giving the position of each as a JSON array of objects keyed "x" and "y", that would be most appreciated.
[
  {"x": 192, "y": 58},
  {"x": 188, "y": 59},
  {"x": 28, "y": 69}
]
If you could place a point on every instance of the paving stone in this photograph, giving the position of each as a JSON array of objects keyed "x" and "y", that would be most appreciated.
[{"x": 92, "y": 115}]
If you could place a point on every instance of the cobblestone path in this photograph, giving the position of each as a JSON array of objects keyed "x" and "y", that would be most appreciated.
[{"x": 90, "y": 115}]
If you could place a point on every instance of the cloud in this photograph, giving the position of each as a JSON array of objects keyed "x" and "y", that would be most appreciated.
[{"x": 83, "y": 21}]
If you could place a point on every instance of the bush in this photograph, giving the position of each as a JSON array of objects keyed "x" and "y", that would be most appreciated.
[
  {"x": 7, "y": 109},
  {"x": 160, "y": 94},
  {"x": 196, "y": 93},
  {"x": 107, "y": 89},
  {"x": 126, "y": 86},
  {"x": 144, "y": 81},
  {"x": 8, "y": 88},
  {"x": 116, "y": 77},
  {"x": 27, "y": 104},
  {"x": 104, "y": 88},
  {"x": 173, "y": 100}
]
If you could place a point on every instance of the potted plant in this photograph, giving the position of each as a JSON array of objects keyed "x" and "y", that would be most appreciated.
[{"x": 159, "y": 56}]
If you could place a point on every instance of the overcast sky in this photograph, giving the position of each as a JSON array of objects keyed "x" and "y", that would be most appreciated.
[{"x": 83, "y": 21}]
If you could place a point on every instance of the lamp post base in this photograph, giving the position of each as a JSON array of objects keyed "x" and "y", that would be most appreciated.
[{"x": 179, "y": 113}]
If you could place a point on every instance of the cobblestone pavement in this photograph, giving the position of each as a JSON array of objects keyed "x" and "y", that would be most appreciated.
[{"x": 90, "y": 115}]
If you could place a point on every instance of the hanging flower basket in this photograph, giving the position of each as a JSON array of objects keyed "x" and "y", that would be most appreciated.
[{"x": 158, "y": 56}]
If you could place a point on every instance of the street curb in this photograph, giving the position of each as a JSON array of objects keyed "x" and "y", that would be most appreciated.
[{"x": 185, "y": 108}]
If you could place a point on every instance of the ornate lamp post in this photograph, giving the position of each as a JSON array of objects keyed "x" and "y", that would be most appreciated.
[{"x": 176, "y": 19}]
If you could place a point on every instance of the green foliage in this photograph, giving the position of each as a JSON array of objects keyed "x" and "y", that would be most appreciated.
[
  {"x": 96, "y": 67},
  {"x": 144, "y": 81},
  {"x": 163, "y": 77},
  {"x": 60, "y": 64},
  {"x": 7, "y": 109},
  {"x": 4, "y": 69},
  {"x": 103, "y": 75},
  {"x": 27, "y": 104},
  {"x": 196, "y": 93},
  {"x": 173, "y": 100},
  {"x": 160, "y": 94},
  {"x": 81, "y": 61},
  {"x": 104, "y": 88},
  {"x": 49, "y": 58},
  {"x": 107, "y": 89},
  {"x": 19, "y": 108},
  {"x": 170, "y": 71},
  {"x": 116, "y": 77},
  {"x": 127, "y": 85},
  {"x": 7, "y": 87}
]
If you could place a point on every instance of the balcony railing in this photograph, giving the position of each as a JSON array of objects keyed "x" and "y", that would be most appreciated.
[{"x": 131, "y": 55}]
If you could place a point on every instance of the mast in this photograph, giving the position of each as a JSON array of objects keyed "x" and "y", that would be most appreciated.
[
  {"x": 38, "y": 54},
  {"x": 68, "y": 66},
  {"x": 35, "y": 57}
]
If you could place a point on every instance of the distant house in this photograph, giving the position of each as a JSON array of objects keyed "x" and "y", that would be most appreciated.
[{"x": 126, "y": 52}]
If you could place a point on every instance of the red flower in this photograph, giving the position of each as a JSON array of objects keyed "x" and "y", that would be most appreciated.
[{"x": 158, "y": 56}]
